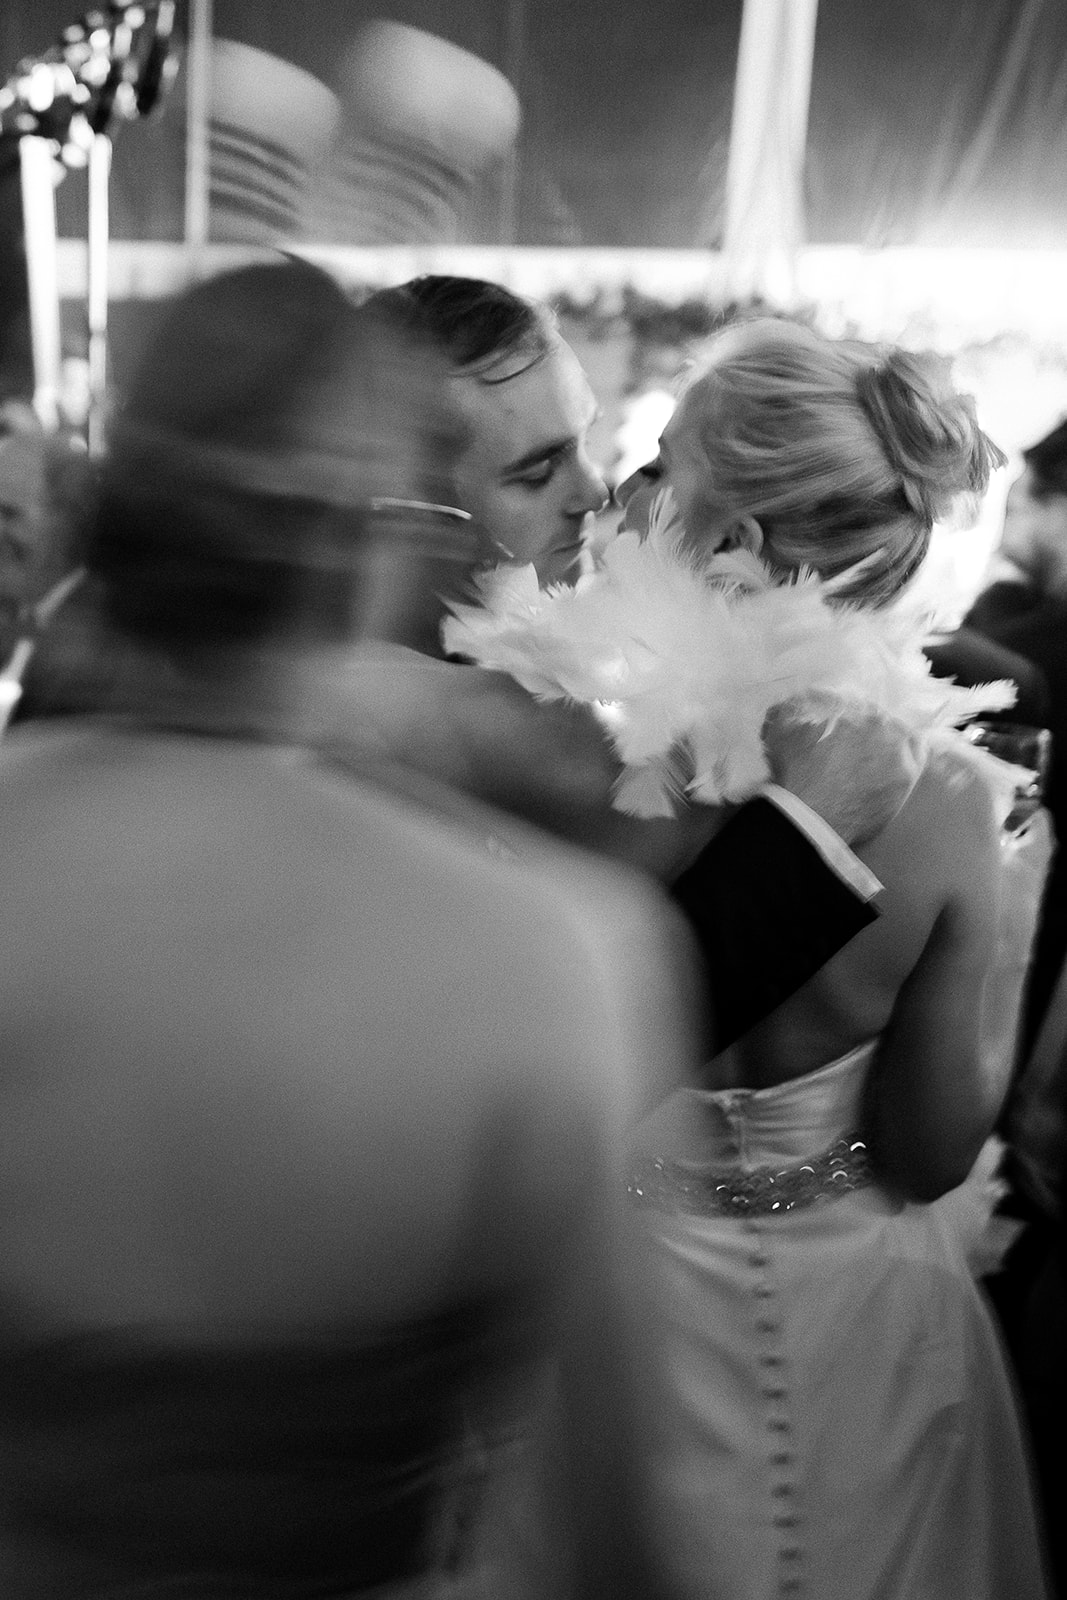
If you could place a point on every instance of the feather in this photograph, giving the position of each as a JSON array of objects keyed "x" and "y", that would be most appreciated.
[{"x": 686, "y": 659}]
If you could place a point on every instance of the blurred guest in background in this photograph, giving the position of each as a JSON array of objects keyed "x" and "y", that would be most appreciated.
[
  {"x": 312, "y": 1099},
  {"x": 968, "y": 657},
  {"x": 45, "y": 502},
  {"x": 1030, "y": 1291},
  {"x": 1030, "y": 566},
  {"x": 1025, "y": 609}
]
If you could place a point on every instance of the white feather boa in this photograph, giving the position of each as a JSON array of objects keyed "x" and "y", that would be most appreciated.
[{"x": 683, "y": 663}]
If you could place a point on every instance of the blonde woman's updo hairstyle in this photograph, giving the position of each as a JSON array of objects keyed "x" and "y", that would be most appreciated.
[{"x": 846, "y": 454}]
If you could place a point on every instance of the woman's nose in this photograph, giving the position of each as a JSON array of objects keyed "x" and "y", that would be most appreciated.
[{"x": 645, "y": 477}]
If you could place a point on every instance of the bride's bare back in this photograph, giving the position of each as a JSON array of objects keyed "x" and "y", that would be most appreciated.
[{"x": 915, "y": 978}]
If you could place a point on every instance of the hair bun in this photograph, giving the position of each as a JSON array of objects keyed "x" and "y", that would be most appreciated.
[{"x": 929, "y": 431}]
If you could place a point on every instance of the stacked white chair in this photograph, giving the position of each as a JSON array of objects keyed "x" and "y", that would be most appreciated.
[
  {"x": 424, "y": 122},
  {"x": 272, "y": 125}
]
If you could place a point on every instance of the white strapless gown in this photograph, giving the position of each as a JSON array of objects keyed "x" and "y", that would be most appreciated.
[{"x": 839, "y": 1421}]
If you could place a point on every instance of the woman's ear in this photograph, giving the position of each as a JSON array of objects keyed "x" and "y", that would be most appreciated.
[{"x": 743, "y": 533}]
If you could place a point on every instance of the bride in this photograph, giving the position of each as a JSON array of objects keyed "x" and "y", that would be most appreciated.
[{"x": 837, "y": 1420}]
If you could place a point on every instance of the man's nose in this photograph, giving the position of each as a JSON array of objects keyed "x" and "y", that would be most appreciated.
[{"x": 590, "y": 492}]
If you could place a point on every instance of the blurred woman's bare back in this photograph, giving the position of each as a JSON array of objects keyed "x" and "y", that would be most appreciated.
[{"x": 305, "y": 1154}]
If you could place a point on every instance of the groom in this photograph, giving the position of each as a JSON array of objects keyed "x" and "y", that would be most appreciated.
[{"x": 778, "y": 891}]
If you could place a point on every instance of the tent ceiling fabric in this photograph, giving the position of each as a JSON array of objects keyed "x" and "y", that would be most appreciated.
[
  {"x": 930, "y": 122},
  {"x": 939, "y": 122}
]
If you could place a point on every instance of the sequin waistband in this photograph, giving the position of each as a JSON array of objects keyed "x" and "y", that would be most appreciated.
[{"x": 761, "y": 1191}]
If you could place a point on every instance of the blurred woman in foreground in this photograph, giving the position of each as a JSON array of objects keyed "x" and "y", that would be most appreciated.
[{"x": 311, "y": 1096}]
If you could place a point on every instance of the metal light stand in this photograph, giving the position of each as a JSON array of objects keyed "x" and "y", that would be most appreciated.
[
  {"x": 37, "y": 164},
  {"x": 113, "y": 65}
]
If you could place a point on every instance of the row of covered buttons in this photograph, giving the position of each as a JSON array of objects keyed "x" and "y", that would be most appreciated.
[{"x": 773, "y": 1390}]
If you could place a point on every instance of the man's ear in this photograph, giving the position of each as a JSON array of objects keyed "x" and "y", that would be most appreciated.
[{"x": 743, "y": 533}]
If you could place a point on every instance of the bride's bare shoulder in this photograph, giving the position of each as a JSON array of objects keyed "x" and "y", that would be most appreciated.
[
  {"x": 949, "y": 826},
  {"x": 962, "y": 781}
]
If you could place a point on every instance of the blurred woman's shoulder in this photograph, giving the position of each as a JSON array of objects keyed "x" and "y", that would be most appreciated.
[{"x": 479, "y": 730}]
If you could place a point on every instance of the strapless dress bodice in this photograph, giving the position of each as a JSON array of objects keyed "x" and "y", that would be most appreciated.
[
  {"x": 757, "y": 1151},
  {"x": 133, "y": 1466}
]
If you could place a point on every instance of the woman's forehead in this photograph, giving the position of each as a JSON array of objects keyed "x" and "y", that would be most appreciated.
[{"x": 683, "y": 421}]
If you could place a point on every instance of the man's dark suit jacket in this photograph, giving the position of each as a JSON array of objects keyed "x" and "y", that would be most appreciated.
[{"x": 767, "y": 913}]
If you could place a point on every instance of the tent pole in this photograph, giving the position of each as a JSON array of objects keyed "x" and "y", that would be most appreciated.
[
  {"x": 514, "y": 48},
  {"x": 768, "y": 135},
  {"x": 198, "y": 130},
  {"x": 97, "y": 288}
]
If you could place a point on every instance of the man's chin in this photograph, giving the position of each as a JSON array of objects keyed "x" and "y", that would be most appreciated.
[{"x": 562, "y": 566}]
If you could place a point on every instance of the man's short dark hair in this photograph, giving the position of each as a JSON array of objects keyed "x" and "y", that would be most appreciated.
[
  {"x": 1047, "y": 461},
  {"x": 484, "y": 329}
]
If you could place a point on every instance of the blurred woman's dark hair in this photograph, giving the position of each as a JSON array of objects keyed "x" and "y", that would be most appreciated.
[{"x": 268, "y": 418}]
